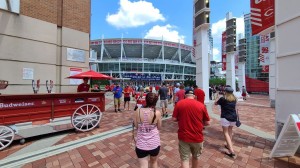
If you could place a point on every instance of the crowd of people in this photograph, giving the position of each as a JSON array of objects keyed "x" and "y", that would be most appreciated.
[{"x": 189, "y": 112}]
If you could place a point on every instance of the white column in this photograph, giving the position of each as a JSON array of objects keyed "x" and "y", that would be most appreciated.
[
  {"x": 241, "y": 75},
  {"x": 272, "y": 73},
  {"x": 102, "y": 49},
  {"x": 230, "y": 70},
  {"x": 201, "y": 55}
]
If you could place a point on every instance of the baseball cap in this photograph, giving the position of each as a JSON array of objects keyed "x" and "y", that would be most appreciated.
[
  {"x": 228, "y": 89},
  {"x": 190, "y": 92},
  {"x": 177, "y": 84}
]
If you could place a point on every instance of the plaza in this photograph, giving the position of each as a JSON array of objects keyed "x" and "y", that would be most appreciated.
[{"x": 112, "y": 145}]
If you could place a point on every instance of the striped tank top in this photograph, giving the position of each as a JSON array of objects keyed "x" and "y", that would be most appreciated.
[{"x": 147, "y": 133}]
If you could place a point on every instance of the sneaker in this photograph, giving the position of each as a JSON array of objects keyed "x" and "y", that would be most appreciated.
[{"x": 119, "y": 110}]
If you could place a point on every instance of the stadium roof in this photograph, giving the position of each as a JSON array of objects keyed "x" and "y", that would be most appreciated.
[{"x": 133, "y": 48}]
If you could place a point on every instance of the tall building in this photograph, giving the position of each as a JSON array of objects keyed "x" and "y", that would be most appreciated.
[
  {"x": 43, "y": 40},
  {"x": 253, "y": 69}
]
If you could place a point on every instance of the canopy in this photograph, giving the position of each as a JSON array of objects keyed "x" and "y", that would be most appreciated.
[{"x": 90, "y": 74}]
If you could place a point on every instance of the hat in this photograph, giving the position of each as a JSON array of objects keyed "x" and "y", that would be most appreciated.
[
  {"x": 228, "y": 89},
  {"x": 177, "y": 84},
  {"x": 190, "y": 92}
]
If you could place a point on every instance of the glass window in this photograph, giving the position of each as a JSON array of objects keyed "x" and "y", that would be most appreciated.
[{"x": 10, "y": 5}]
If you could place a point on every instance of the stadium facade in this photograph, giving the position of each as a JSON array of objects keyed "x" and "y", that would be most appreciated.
[{"x": 143, "y": 60}]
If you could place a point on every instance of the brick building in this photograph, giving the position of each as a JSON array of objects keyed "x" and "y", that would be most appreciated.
[{"x": 43, "y": 39}]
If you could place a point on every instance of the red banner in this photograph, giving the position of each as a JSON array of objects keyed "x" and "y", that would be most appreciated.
[
  {"x": 224, "y": 51},
  {"x": 262, "y": 15}
]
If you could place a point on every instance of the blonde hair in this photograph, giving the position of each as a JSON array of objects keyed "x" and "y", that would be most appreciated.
[{"x": 230, "y": 97}]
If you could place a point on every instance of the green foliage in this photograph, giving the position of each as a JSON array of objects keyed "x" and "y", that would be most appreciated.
[
  {"x": 217, "y": 81},
  {"x": 189, "y": 83}
]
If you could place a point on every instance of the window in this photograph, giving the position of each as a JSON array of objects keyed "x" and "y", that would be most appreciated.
[{"x": 10, "y": 5}]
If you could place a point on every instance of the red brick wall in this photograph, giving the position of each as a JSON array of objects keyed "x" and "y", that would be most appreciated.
[{"x": 74, "y": 14}]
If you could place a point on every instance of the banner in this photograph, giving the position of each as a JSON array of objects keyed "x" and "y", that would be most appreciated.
[
  {"x": 262, "y": 15},
  {"x": 224, "y": 51},
  {"x": 75, "y": 71},
  {"x": 146, "y": 77},
  {"x": 264, "y": 53}
]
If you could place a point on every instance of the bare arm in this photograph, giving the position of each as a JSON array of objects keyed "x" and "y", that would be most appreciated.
[{"x": 158, "y": 116}]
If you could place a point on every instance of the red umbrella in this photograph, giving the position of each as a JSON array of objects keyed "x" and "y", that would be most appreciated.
[{"x": 90, "y": 74}]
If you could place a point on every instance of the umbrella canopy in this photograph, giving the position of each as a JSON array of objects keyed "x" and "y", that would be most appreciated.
[{"x": 90, "y": 74}]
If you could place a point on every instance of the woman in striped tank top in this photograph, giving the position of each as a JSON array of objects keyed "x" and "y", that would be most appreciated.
[{"x": 147, "y": 121}]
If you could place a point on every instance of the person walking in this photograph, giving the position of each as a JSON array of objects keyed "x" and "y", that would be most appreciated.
[
  {"x": 200, "y": 95},
  {"x": 228, "y": 117},
  {"x": 117, "y": 91},
  {"x": 163, "y": 95},
  {"x": 179, "y": 95},
  {"x": 244, "y": 93},
  {"x": 191, "y": 116},
  {"x": 147, "y": 121},
  {"x": 127, "y": 92}
]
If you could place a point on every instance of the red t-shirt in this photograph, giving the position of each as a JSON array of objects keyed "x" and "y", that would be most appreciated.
[
  {"x": 141, "y": 99},
  {"x": 190, "y": 115},
  {"x": 83, "y": 87},
  {"x": 157, "y": 87},
  {"x": 200, "y": 95},
  {"x": 127, "y": 92},
  {"x": 180, "y": 95}
]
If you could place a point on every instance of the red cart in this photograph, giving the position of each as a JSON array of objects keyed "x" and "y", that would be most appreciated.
[{"x": 83, "y": 111}]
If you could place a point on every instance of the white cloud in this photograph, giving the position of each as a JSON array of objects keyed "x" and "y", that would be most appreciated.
[
  {"x": 134, "y": 14},
  {"x": 220, "y": 26},
  {"x": 167, "y": 32},
  {"x": 216, "y": 53}
]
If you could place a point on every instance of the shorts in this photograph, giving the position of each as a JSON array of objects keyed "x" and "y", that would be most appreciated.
[
  {"x": 126, "y": 99},
  {"x": 117, "y": 101},
  {"x": 164, "y": 103},
  {"x": 226, "y": 123},
  {"x": 144, "y": 153},
  {"x": 186, "y": 148}
]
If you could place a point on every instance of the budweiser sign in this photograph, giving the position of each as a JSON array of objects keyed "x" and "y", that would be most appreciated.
[
  {"x": 18, "y": 104},
  {"x": 262, "y": 15}
]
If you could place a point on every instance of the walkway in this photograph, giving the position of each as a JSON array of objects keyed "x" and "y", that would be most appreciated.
[{"x": 111, "y": 145}]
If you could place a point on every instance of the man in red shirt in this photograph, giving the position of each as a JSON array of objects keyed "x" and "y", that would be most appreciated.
[
  {"x": 192, "y": 116},
  {"x": 127, "y": 91},
  {"x": 199, "y": 93},
  {"x": 84, "y": 87},
  {"x": 180, "y": 94}
]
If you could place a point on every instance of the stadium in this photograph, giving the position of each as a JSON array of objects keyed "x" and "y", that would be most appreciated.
[{"x": 143, "y": 60}]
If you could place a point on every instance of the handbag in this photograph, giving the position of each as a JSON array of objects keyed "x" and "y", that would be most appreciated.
[{"x": 238, "y": 122}]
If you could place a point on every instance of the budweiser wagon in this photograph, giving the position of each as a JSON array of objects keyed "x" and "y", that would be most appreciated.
[{"x": 23, "y": 116}]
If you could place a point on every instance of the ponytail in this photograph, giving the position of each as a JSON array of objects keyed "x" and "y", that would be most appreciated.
[{"x": 154, "y": 116}]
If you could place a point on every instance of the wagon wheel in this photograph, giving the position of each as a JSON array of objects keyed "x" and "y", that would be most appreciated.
[
  {"x": 86, "y": 117},
  {"x": 6, "y": 136}
]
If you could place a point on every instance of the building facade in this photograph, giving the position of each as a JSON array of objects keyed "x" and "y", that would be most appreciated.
[
  {"x": 253, "y": 69},
  {"x": 143, "y": 60},
  {"x": 43, "y": 40}
]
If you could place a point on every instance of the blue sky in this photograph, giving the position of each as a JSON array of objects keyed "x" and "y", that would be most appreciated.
[{"x": 153, "y": 19}]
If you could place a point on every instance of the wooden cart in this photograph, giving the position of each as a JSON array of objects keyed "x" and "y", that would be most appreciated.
[{"x": 83, "y": 109}]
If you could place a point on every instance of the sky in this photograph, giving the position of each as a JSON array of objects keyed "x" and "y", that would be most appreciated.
[{"x": 171, "y": 20}]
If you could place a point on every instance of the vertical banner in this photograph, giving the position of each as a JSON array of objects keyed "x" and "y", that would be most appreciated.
[
  {"x": 264, "y": 53},
  {"x": 224, "y": 51},
  {"x": 262, "y": 15},
  {"x": 75, "y": 71}
]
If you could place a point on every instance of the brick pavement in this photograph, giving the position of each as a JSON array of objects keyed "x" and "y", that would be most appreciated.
[{"x": 118, "y": 151}]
